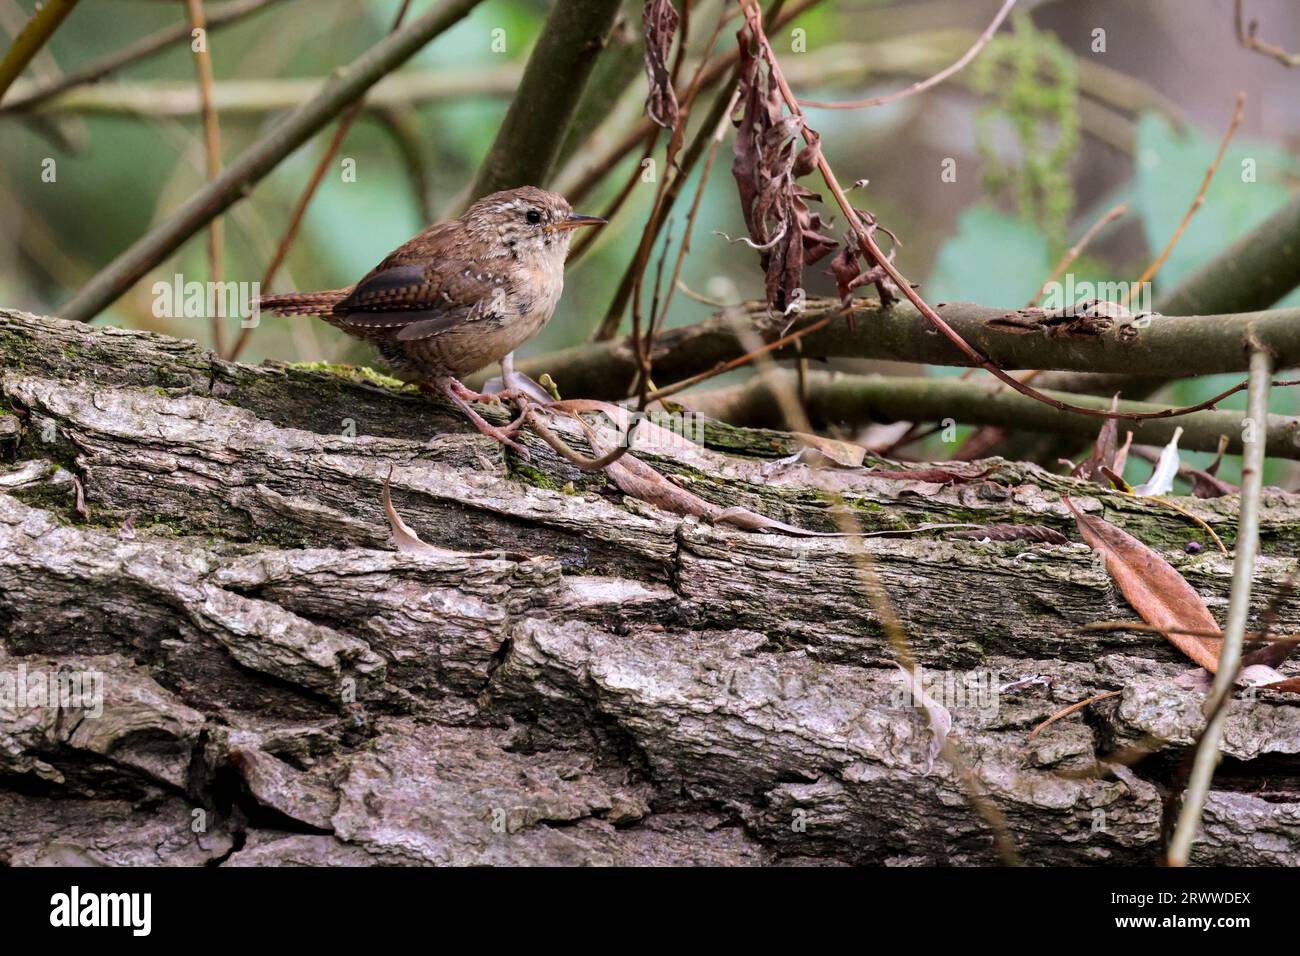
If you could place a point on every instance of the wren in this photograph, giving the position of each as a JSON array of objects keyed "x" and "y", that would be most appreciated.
[{"x": 459, "y": 296}]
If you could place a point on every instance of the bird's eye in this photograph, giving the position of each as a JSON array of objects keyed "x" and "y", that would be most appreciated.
[{"x": 533, "y": 217}]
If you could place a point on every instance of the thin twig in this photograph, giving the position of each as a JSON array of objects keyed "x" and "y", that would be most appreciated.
[
  {"x": 741, "y": 360},
  {"x": 531, "y": 134},
  {"x": 1187, "y": 514},
  {"x": 685, "y": 247},
  {"x": 665, "y": 197},
  {"x": 612, "y": 209},
  {"x": 304, "y": 200},
  {"x": 1070, "y": 710},
  {"x": 403, "y": 123},
  {"x": 1246, "y": 36},
  {"x": 651, "y": 138},
  {"x": 262, "y": 157},
  {"x": 667, "y": 190},
  {"x": 715, "y": 72},
  {"x": 140, "y": 50},
  {"x": 1077, "y": 249},
  {"x": 922, "y": 85},
  {"x": 565, "y": 451},
  {"x": 1243, "y": 572},
  {"x": 67, "y": 133},
  {"x": 31, "y": 39},
  {"x": 212, "y": 151},
  {"x": 1197, "y": 202}
]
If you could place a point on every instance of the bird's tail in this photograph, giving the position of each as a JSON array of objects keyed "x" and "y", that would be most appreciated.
[{"x": 303, "y": 303}]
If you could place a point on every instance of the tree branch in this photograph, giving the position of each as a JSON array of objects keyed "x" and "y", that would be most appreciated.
[
  {"x": 855, "y": 400},
  {"x": 26, "y": 96},
  {"x": 31, "y": 38},
  {"x": 1248, "y": 37},
  {"x": 921, "y": 85},
  {"x": 252, "y": 99},
  {"x": 263, "y": 156},
  {"x": 1173, "y": 346},
  {"x": 542, "y": 111}
]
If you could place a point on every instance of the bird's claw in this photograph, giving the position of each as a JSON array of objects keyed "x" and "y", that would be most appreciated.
[{"x": 461, "y": 397}]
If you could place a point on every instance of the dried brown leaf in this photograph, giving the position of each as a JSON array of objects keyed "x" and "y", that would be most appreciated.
[
  {"x": 407, "y": 541},
  {"x": 1266, "y": 652},
  {"x": 841, "y": 453},
  {"x": 1291, "y": 685},
  {"x": 1104, "y": 450},
  {"x": 1153, "y": 587},
  {"x": 79, "y": 505},
  {"x": 1206, "y": 485},
  {"x": 659, "y": 19},
  {"x": 942, "y": 476},
  {"x": 766, "y": 164},
  {"x": 1014, "y": 532}
]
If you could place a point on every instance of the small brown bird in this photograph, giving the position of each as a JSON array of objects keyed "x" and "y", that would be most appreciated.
[{"x": 459, "y": 296}]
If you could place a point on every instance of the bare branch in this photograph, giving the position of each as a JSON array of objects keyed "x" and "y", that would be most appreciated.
[
  {"x": 140, "y": 50},
  {"x": 1243, "y": 573},
  {"x": 212, "y": 149},
  {"x": 31, "y": 39},
  {"x": 1247, "y": 37},
  {"x": 1199, "y": 199},
  {"x": 539, "y": 117},
  {"x": 259, "y": 159},
  {"x": 922, "y": 85}
]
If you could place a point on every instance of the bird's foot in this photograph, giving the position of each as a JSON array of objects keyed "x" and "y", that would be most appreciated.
[
  {"x": 461, "y": 397},
  {"x": 468, "y": 394},
  {"x": 516, "y": 382}
]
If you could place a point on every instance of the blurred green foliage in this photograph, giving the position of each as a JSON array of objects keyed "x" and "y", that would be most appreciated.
[{"x": 1033, "y": 84}]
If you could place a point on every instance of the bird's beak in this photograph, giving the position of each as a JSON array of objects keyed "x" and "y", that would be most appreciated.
[{"x": 575, "y": 221}]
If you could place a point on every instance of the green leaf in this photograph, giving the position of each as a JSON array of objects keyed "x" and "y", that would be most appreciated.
[
  {"x": 994, "y": 259},
  {"x": 1170, "y": 169}
]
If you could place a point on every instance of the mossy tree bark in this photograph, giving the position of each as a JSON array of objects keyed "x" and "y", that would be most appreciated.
[{"x": 591, "y": 679}]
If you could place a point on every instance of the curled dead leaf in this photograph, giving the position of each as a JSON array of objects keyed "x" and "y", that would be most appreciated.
[
  {"x": 407, "y": 541},
  {"x": 940, "y": 719},
  {"x": 659, "y": 19},
  {"x": 1291, "y": 685},
  {"x": 1104, "y": 450},
  {"x": 766, "y": 164}
]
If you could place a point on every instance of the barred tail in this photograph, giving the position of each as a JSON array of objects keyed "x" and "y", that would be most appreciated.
[{"x": 303, "y": 303}]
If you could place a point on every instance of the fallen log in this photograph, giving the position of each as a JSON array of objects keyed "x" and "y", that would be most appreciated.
[{"x": 600, "y": 681}]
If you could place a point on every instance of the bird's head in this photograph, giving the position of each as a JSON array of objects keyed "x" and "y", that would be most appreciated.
[{"x": 526, "y": 221}]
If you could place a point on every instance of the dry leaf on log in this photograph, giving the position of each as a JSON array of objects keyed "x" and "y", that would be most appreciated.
[
  {"x": 1153, "y": 587},
  {"x": 942, "y": 476},
  {"x": 1106, "y": 452},
  {"x": 1014, "y": 532},
  {"x": 408, "y": 542},
  {"x": 939, "y": 717}
]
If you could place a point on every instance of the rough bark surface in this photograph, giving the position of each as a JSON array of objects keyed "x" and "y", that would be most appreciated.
[{"x": 594, "y": 680}]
